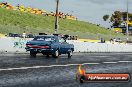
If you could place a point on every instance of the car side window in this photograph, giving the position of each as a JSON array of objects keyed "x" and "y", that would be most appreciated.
[{"x": 61, "y": 40}]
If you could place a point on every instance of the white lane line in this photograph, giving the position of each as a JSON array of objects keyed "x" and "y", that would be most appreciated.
[
  {"x": 36, "y": 67},
  {"x": 90, "y": 63},
  {"x": 109, "y": 62},
  {"x": 124, "y": 61},
  {"x": 99, "y": 56}
]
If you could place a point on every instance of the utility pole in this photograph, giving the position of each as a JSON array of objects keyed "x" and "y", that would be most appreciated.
[
  {"x": 56, "y": 17},
  {"x": 127, "y": 32}
]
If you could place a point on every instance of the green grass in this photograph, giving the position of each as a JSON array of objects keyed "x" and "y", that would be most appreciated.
[{"x": 18, "y": 22}]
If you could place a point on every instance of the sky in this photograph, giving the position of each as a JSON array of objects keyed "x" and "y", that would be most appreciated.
[{"x": 86, "y": 10}]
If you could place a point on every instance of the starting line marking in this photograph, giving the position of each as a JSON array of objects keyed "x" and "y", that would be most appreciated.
[
  {"x": 36, "y": 67},
  {"x": 124, "y": 61},
  {"x": 109, "y": 62}
]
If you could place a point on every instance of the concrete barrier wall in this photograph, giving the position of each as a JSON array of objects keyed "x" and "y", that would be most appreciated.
[
  {"x": 13, "y": 44},
  {"x": 100, "y": 47},
  {"x": 18, "y": 45}
]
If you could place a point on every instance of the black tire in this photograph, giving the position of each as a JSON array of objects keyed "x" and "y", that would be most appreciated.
[
  {"x": 82, "y": 79},
  {"x": 43, "y": 53},
  {"x": 56, "y": 54},
  {"x": 47, "y": 55},
  {"x": 33, "y": 54},
  {"x": 70, "y": 53}
]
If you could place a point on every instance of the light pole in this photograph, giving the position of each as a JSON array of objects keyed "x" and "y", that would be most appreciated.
[
  {"x": 56, "y": 17},
  {"x": 127, "y": 32}
]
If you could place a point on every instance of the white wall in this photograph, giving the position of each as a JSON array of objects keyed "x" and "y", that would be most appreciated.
[
  {"x": 100, "y": 47},
  {"x": 7, "y": 44}
]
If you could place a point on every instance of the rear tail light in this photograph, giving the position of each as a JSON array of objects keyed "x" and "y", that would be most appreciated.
[
  {"x": 34, "y": 46},
  {"x": 29, "y": 45},
  {"x": 45, "y": 47}
]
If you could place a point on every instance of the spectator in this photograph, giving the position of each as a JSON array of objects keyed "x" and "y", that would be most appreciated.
[
  {"x": 28, "y": 9},
  {"x": 111, "y": 40},
  {"x": 76, "y": 37},
  {"x": 70, "y": 37},
  {"x": 66, "y": 37},
  {"x": 24, "y": 34},
  {"x": 114, "y": 40},
  {"x": 4, "y": 4},
  {"x": 22, "y": 8},
  {"x": 73, "y": 37},
  {"x": 9, "y": 6},
  {"x": 127, "y": 40},
  {"x": 102, "y": 40}
]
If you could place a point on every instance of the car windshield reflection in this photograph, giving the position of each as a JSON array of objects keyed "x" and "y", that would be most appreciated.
[{"x": 44, "y": 39}]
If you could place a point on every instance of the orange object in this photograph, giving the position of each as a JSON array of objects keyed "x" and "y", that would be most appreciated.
[{"x": 81, "y": 71}]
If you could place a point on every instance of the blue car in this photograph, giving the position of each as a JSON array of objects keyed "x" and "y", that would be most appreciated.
[{"x": 49, "y": 45}]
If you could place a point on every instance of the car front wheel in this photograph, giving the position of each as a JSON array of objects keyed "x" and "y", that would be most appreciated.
[
  {"x": 70, "y": 53},
  {"x": 56, "y": 54}
]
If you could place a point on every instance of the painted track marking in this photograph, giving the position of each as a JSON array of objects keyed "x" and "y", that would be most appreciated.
[
  {"x": 109, "y": 62},
  {"x": 36, "y": 67},
  {"x": 124, "y": 61}
]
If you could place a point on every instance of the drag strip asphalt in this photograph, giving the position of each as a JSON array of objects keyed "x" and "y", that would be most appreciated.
[
  {"x": 35, "y": 67},
  {"x": 19, "y": 70},
  {"x": 24, "y": 60}
]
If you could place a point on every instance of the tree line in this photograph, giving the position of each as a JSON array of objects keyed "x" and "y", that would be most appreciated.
[{"x": 117, "y": 18}]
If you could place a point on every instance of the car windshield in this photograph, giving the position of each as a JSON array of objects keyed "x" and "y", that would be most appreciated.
[{"x": 44, "y": 38}]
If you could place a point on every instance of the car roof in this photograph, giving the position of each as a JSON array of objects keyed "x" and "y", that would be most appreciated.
[{"x": 46, "y": 36}]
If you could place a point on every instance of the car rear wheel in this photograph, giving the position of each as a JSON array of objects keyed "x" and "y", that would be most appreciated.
[
  {"x": 56, "y": 54},
  {"x": 47, "y": 55},
  {"x": 33, "y": 53}
]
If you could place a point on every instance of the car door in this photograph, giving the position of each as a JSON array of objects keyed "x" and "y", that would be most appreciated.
[{"x": 63, "y": 46}]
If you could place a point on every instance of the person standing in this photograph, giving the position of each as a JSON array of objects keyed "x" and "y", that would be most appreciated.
[{"x": 24, "y": 34}]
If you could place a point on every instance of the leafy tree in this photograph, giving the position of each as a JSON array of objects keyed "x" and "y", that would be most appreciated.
[
  {"x": 117, "y": 18},
  {"x": 105, "y": 17}
]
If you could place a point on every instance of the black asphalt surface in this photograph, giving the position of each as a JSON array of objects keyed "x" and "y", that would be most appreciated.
[{"x": 61, "y": 76}]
